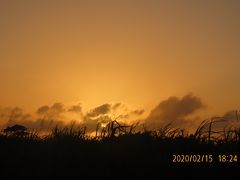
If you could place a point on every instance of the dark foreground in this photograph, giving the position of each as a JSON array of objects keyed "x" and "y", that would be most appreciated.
[{"x": 144, "y": 155}]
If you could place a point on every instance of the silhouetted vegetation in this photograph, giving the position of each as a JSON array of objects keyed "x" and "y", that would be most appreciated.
[{"x": 117, "y": 151}]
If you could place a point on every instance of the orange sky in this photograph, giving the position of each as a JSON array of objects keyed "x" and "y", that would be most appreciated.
[{"x": 134, "y": 51}]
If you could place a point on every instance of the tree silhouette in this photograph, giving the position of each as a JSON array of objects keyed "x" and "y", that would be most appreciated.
[{"x": 16, "y": 130}]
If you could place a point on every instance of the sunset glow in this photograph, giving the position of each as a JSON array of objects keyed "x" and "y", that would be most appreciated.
[
  {"x": 119, "y": 89},
  {"x": 136, "y": 52}
]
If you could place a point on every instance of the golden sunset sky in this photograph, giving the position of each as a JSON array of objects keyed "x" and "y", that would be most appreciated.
[{"x": 135, "y": 51}]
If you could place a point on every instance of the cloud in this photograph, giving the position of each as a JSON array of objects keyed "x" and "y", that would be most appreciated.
[
  {"x": 53, "y": 112},
  {"x": 107, "y": 112},
  {"x": 47, "y": 117},
  {"x": 43, "y": 109},
  {"x": 58, "y": 107},
  {"x": 100, "y": 110},
  {"x": 174, "y": 110},
  {"x": 75, "y": 109},
  {"x": 99, "y": 115},
  {"x": 9, "y": 115},
  {"x": 179, "y": 111}
]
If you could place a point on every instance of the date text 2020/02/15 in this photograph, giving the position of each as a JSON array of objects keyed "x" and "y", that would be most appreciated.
[{"x": 204, "y": 158}]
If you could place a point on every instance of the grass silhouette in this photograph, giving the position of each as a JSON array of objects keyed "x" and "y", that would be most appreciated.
[{"x": 118, "y": 152}]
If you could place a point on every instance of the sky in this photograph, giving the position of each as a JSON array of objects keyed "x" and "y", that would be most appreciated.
[{"x": 137, "y": 52}]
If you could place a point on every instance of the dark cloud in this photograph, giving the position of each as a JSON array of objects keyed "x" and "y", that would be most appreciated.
[
  {"x": 100, "y": 110},
  {"x": 58, "y": 107},
  {"x": 43, "y": 109},
  {"x": 98, "y": 115},
  {"x": 75, "y": 109},
  {"x": 173, "y": 110},
  {"x": 53, "y": 112}
]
